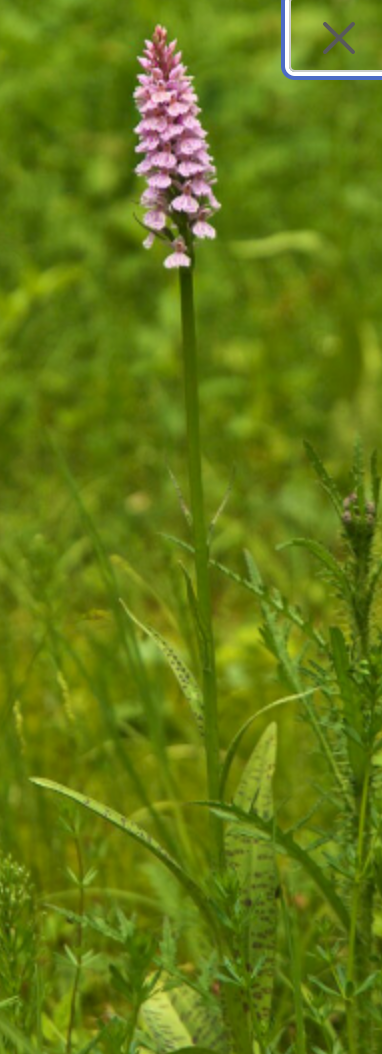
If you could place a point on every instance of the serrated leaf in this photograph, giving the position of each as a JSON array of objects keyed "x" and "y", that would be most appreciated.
[
  {"x": 325, "y": 557},
  {"x": 375, "y": 479},
  {"x": 290, "y": 611},
  {"x": 185, "y": 678},
  {"x": 253, "y": 860},
  {"x": 359, "y": 473},
  {"x": 325, "y": 479},
  {"x": 285, "y": 843},
  {"x": 275, "y": 640},
  {"x": 137, "y": 833},
  {"x": 352, "y": 709},
  {"x": 253, "y": 571}
]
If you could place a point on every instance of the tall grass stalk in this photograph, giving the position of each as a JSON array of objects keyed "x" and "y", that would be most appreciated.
[{"x": 201, "y": 551}]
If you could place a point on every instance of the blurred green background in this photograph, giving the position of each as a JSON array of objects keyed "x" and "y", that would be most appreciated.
[{"x": 289, "y": 316}]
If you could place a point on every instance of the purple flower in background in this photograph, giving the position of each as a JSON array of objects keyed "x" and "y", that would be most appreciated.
[{"x": 177, "y": 165}]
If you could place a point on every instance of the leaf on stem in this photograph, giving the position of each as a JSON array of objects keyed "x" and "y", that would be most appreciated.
[
  {"x": 326, "y": 480},
  {"x": 135, "y": 832},
  {"x": 253, "y": 860},
  {"x": 285, "y": 843},
  {"x": 185, "y": 678},
  {"x": 235, "y": 742},
  {"x": 354, "y": 728},
  {"x": 325, "y": 557}
]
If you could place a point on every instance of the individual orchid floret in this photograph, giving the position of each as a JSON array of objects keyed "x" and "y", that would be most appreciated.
[
  {"x": 178, "y": 168},
  {"x": 179, "y": 256}
]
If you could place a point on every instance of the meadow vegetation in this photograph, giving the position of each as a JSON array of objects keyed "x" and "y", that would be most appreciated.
[{"x": 93, "y": 456}]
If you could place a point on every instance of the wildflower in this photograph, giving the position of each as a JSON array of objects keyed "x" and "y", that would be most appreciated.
[
  {"x": 179, "y": 257},
  {"x": 177, "y": 165}
]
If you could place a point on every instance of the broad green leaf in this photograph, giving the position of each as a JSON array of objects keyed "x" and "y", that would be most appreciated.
[
  {"x": 178, "y": 1017},
  {"x": 205, "y": 1024},
  {"x": 181, "y": 1016},
  {"x": 185, "y": 678},
  {"x": 135, "y": 832},
  {"x": 253, "y": 860},
  {"x": 164, "y": 1023},
  {"x": 285, "y": 843}
]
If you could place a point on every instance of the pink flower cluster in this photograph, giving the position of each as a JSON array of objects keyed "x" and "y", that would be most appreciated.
[{"x": 177, "y": 164}]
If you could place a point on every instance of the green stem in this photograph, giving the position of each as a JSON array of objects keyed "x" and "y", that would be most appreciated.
[
  {"x": 358, "y": 1023},
  {"x": 78, "y": 970},
  {"x": 201, "y": 551}
]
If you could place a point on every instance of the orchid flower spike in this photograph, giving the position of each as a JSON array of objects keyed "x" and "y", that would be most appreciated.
[{"x": 179, "y": 170}]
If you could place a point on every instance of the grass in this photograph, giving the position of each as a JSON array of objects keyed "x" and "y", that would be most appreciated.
[{"x": 289, "y": 311}]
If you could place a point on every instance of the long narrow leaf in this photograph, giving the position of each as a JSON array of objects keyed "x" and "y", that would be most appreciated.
[
  {"x": 326, "y": 480},
  {"x": 286, "y": 844},
  {"x": 185, "y": 678},
  {"x": 235, "y": 742},
  {"x": 325, "y": 557},
  {"x": 8, "y": 1031},
  {"x": 135, "y": 832}
]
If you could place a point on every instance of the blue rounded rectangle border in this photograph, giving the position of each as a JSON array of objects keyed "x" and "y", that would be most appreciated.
[{"x": 313, "y": 75}]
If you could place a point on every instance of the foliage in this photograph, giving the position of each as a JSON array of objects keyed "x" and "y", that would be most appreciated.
[{"x": 92, "y": 431}]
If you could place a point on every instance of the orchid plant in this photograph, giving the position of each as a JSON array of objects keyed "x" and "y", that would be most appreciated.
[{"x": 237, "y": 899}]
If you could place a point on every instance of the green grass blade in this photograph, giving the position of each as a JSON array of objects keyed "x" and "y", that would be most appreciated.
[
  {"x": 235, "y": 742},
  {"x": 8, "y": 1031},
  {"x": 185, "y": 678},
  {"x": 135, "y": 832}
]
